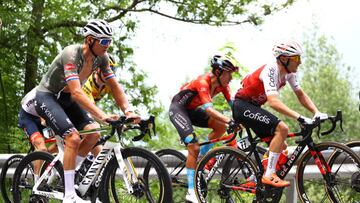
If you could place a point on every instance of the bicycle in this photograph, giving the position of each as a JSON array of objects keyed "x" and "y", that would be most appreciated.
[
  {"x": 8, "y": 167},
  {"x": 175, "y": 163},
  {"x": 233, "y": 175},
  {"x": 113, "y": 159}
]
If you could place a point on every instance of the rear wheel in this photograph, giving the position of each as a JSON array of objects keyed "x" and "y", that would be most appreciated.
[
  {"x": 224, "y": 182},
  {"x": 24, "y": 179},
  {"x": 334, "y": 186}
]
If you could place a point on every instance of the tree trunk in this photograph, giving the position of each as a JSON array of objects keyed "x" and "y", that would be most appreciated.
[{"x": 34, "y": 39}]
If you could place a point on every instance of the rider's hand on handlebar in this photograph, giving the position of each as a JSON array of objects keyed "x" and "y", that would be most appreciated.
[
  {"x": 134, "y": 116},
  {"x": 322, "y": 116},
  {"x": 231, "y": 126},
  {"x": 304, "y": 120},
  {"x": 111, "y": 117}
]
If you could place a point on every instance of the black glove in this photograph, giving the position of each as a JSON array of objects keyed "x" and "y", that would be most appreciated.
[{"x": 231, "y": 126}]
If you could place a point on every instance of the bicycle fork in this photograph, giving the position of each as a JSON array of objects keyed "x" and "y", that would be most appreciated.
[{"x": 127, "y": 169}]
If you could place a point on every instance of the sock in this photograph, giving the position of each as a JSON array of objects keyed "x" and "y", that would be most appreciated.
[
  {"x": 78, "y": 162},
  {"x": 191, "y": 178},
  {"x": 69, "y": 176},
  {"x": 205, "y": 148},
  {"x": 272, "y": 160}
]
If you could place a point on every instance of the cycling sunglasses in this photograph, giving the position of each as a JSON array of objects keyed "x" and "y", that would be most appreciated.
[
  {"x": 104, "y": 41},
  {"x": 295, "y": 58}
]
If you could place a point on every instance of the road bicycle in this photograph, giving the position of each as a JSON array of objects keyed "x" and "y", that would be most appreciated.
[
  {"x": 8, "y": 169},
  {"x": 116, "y": 174},
  {"x": 175, "y": 162},
  {"x": 237, "y": 178}
]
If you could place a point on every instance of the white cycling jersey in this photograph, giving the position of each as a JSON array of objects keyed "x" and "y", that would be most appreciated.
[{"x": 28, "y": 102}]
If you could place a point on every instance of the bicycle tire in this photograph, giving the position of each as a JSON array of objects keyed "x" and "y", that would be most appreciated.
[
  {"x": 233, "y": 161},
  {"x": 143, "y": 157},
  {"x": 355, "y": 146},
  {"x": 311, "y": 188},
  {"x": 175, "y": 162},
  {"x": 19, "y": 180},
  {"x": 6, "y": 182}
]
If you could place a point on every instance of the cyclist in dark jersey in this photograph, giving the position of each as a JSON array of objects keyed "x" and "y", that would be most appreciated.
[
  {"x": 59, "y": 96},
  {"x": 193, "y": 106},
  {"x": 262, "y": 86}
]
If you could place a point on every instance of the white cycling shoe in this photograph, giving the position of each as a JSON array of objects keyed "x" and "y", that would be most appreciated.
[
  {"x": 191, "y": 197},
  {"x": 74, "y": 199}
]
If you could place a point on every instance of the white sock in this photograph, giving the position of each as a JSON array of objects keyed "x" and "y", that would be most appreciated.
[
  {"x": 69, "y": 176},
  {"x": 272, "y": 160},
  {"x": 78, "y": 162}
]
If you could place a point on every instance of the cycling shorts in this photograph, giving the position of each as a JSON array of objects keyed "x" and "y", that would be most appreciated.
[
  {"x": 29, "y": 123},
  {"x": 62, "y": 114},
  {"x": 183, "y": 119},
  {"x": 262, "y": 122}
]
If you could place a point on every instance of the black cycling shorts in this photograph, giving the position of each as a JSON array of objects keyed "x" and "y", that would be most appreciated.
[
  {"x": 262, "y": 122},
  {"x": 29, "y": 123},
  {"x": 183, "y": 119},
  {"x": 62, "y": 113}
]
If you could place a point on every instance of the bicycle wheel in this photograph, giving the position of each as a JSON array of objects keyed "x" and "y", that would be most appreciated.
[
  {"x": 156, "y": 188},
  {"x": 175, "y": 162},
  {"x": 225, "y": 181},
  {"x": 343, "y": 163},
  {"x": 24, "y": 178},
  {"x": 355, "y": 146},
  {"x": 7, "y": 171}
]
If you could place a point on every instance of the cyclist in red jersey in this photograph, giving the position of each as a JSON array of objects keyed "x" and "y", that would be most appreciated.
[
  {"x": 193, "y": 106},
  {"x": 262, "y": 86}
]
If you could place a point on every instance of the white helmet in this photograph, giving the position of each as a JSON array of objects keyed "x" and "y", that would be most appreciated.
[
  {"x": 98, "y": 29},
  {"x": 287, "y": 48}
]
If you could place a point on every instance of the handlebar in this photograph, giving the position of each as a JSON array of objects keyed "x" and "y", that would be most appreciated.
[
  {"x": 124, "y": 124},
  {"x": 306, "y": 129}
]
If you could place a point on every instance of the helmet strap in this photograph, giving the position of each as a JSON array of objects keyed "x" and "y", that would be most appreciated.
[
  {"x": 218, "y": 77},
  {"x": 91, "y": 47},
  {"x": 285, "y": 64}
]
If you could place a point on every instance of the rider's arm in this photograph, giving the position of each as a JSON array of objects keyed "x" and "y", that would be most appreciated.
[
  {"x": 275, "y": 103},
  {"x": 305, "y": 100},
  {"x": 119, "y": 95},
  {"x": 74, "y": 87}
]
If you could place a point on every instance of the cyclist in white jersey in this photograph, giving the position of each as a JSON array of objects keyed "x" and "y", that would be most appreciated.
[
  {"x": 262, "y": 86},
  {"x": 59, "y": 97}
]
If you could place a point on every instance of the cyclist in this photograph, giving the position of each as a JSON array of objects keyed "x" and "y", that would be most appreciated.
[
  {"x": 262, "y": 86},
  {"x": 193, "y": 106},
  {"x": 59, "y": 97}
]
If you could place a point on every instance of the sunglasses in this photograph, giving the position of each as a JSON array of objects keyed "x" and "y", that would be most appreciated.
[
  {"x": 295, "y": 58},
  {"x": 104, "y": 41}
]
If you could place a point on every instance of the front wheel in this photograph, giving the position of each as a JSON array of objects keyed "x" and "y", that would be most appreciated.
[
  {"x": 5, "y": 176},
  {"x": 331, "y": 184},
  {"x": 157, "y": 188}
]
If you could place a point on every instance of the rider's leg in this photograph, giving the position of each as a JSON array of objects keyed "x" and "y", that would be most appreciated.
[
  {"x": 37, "y": 140},
  {"x": 193, "y": 152},
  {"x": 218, "y": 128},
  {"x": 276, "y": 146},
  {"x": 87, "y": 144},
  {"x": 72, "y": 142}
]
